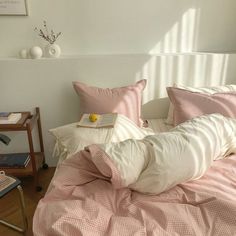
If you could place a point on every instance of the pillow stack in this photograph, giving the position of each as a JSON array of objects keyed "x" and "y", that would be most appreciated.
[{"x": 191, "y": 102}]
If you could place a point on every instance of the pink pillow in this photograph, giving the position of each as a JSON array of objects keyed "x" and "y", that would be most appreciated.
[
  {"x": 188, "y": 104},
  {"x": 124, "y": 100}
]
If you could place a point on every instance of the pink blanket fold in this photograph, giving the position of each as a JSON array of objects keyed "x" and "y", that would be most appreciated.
[{"x": 82, "y": 200}]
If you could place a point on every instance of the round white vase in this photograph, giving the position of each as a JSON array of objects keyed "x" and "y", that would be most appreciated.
[
  {"x": 52, "y": 50},
  {"x": 23, "y": 54},
  {"x": 35, "y": 52}
]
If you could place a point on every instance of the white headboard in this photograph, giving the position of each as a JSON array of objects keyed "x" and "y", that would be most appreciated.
[{"x": 156, "y": 108}]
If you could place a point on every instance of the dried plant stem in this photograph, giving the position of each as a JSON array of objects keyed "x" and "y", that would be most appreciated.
[{"x": 47, "y": 35}]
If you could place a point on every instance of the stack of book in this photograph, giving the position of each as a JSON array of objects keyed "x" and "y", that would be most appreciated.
[
  {"x": 14, "y": 160},
  {"x": 5, "y": 181},
  {"x": 9, "y": 117}
]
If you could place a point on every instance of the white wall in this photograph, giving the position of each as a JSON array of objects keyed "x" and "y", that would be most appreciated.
[
  {"x": 125, "y": 26},
  {"x": 119, "y": 36}
]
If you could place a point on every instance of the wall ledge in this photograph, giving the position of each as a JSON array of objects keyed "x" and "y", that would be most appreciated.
[{"x": 80, "y": 56}]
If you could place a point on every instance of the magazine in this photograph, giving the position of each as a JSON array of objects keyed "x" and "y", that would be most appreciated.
[
  {"x": 14, "y": 160},
  {"x": 104, "y": 120},
  {"x": 5, "y": 181}
]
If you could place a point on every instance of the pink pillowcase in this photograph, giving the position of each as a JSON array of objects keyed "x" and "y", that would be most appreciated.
[
  {"x": 188, "y": 104},
  {"x": 124, "y": 100}
]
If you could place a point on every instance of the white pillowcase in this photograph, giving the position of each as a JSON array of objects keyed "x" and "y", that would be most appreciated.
[
  {"x": 204, "y": 90},
  {"x": 71, "y": 138}
]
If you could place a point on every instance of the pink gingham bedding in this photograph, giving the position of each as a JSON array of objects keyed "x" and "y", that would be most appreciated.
[{"x": 81, "y": 201}]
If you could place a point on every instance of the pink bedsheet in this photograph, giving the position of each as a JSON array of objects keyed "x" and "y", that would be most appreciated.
[{"x": 81, "y": 201}]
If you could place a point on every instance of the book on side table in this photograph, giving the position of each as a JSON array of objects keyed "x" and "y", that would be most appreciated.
[
  {"x": 104, "y": 120},
  {"x": 9, "y": 117},
  {"x": 14, "y": 160},
  {"x": 5, "y": 115}
]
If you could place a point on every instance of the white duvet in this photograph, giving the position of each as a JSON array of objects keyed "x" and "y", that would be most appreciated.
[{"x": 159, "y": 162}]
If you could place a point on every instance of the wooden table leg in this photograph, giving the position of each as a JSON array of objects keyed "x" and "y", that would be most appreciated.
[
  {"x": 32, "y": 157},
  {"x": 23, "y": 213},
  {"x": 22, "y": 204},
  {"x": 45, "y": 166}
]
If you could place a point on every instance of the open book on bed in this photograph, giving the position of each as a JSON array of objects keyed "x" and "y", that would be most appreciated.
[{"x": 104, "y": 120}]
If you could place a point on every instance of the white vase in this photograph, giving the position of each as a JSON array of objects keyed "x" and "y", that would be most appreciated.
[
  {"x": 52, "y": 50},
  {"x": 35, "y": 52},
  {"x": 23, "y": 53}
]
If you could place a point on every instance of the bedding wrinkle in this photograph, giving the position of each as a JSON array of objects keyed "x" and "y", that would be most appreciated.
[
  {"x": 214, "y": 218},
  {"x": 168, "y": 213}
]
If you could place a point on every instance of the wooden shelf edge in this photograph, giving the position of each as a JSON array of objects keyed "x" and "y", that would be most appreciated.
[{"x": 19, "y": 125}]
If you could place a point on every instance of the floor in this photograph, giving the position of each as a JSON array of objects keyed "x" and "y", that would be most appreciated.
[{"x": 9, "y": 204}]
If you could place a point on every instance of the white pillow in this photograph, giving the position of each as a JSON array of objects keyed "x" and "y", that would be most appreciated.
[
  {"x": 204, "y": 90},
  {"x": 71, "y": 138}
]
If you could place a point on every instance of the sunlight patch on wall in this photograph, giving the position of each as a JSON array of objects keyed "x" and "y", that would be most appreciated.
[
  {"x": 218, "y": 72},
  {"x": 182, "y": 37},
  {"x": 173, "y": 60},
  {"x": 196, "y": 70}
]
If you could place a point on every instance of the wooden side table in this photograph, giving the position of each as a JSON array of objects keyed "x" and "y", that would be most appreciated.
[
  {"x": 37, "y": 159},
  {"x": 4, "y": 192}
]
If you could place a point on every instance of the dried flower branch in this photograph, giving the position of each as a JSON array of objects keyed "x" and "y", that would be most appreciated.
[{"x": 47, "y": 35}]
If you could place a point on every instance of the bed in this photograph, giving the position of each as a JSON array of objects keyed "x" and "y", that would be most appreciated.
[{"x": 84, "y": 198}]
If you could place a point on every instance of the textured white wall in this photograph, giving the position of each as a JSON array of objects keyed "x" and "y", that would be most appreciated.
[{"x": 125, "y": 26}]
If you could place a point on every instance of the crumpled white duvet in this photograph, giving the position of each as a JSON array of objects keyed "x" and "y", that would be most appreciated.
[{"x": 161, "y": 161}]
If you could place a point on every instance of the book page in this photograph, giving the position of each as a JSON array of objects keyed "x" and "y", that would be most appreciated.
[
  {"x": 85, "y": 122},
  {"x": 107, "y": 120}
]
